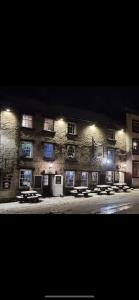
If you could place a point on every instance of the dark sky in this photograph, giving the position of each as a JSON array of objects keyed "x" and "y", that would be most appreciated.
[{"x": 108, "y": 99}]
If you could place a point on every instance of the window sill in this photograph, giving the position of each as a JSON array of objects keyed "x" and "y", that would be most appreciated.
[
  {"x": 48, "y": 133},
  {"x": 71, "y": 136},
  {"x": 26, "y": 158},
  {"x": 49, "y": 159}
]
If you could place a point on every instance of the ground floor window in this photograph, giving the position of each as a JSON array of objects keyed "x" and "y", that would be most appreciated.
[
  {"x": 84, "y": 178},
  {"x": 69, "y": 178},
  {"x": 135, "y": 169},
  {"x": 109, "y": 177},
  {"x": 25, "y": 178},
  {"x": 95, "y": 178}
]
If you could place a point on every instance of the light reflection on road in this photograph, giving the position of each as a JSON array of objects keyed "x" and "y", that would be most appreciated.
[{"x": 111, "y": 209}]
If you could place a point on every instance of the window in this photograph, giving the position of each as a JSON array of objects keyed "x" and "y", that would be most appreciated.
[
  {"x": 71, "y": 128},
  {"x": 110, "y": 156},
  {"x": 135, "y": 126},
  {"x": 110, "y": 134},
  {"x": 109, "y": 177},
  {"x": 27, "y": 121},
  {"x": 25, "y": 178},
  {"x": 135, "y": 146},
  {"x": 45, "y": 180},
  {"x": 38, "y": 181},
  {"x": 69, "y": 178},
  {"x": 48, "y": 151},
  {"x": 26, "y": 149},
  {"x": 95, "y": 178},
  {"x": 135, "y": 169},
  {"x": 49, "y": 125},
  {"x": 84, "y": 178},
  {"x": 71, "y": 151}
]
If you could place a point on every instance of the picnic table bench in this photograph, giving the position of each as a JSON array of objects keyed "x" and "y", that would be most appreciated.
[
  {"x": 27, "y": 196},
  {"x": 80, "y": 191}
]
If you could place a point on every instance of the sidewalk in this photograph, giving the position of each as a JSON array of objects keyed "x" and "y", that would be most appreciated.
[{"x": 59, "y": 205}]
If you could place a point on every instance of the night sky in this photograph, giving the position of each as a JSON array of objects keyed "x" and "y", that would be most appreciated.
[{"x": 107, "y": 99}]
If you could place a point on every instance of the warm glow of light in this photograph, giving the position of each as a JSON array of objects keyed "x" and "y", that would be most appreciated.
[
  {"x": 121, "y": 131},
  {"x": 51, "y": 165},
  {"x": 8, "y": 109},
  {"x": 93, "y": 126},
  {"x": 61, "y": 119}
]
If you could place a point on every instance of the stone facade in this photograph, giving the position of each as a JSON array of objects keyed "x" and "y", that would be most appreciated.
[{"x": 91, "y": 147}]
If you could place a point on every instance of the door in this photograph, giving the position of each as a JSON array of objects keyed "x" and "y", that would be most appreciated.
[{"x": 47, "y": 185}]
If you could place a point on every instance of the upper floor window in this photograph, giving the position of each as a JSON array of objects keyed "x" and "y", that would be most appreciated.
[
  {"x": 71, "y": 128},
  {"x": 49, "y": 124},
  {"x": 26, "y": 149},
  {"x": 27, "y": 121},
  {"x": 48, "y": 151},
  {"x": 111, "y": 134},
  {"x": 135, "y": 126},
  {"x": 71, "y": 151},
  {"x": 135, "y": 146}
]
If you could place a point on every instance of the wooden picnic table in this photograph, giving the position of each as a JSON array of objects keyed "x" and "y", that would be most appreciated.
[
  {"x": 103, "y": 187},
  {"x": 29, "y": 196},
  {"x": 80, "y": 191}
]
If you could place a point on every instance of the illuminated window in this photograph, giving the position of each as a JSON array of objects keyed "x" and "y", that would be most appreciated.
[
  {"x": 135, "y": 169},
  {"x": 48, "y": 151},
  {"x": 25, "y": 178},
  {"x": 71, "y": 128},
  {"x": 135, "y": 146},
  {"x": 27, "y": 121},
  {"x": 49, "y": 125},
  {"x": 84, "y": 178},
  {"x": 26, "y": 149},
  {"x": 71, "y": 151},
  {"x": 109, "y": 177},
  {"x": 69, "y": 178}
]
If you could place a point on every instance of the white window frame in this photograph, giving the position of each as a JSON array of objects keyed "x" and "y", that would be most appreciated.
[
  {"x": 27, "y": 121},
  {"x": 74, "y": 126},
  {"x": 20, "y": 176},
  {"x": 74, "y": 151},
  {"x": 82, "y": 179},
  {"x": 110, "y": 182},
  {"x": 28, "y": 142},
  {"x": 46, "y": 121},
  {"x": 67, "y": 186}
]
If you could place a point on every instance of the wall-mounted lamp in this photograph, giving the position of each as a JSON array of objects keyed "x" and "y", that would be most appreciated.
[{"x": 8, "y": 109}]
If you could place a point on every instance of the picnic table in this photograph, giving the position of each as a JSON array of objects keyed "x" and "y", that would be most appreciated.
[
  {"x": 104, "y": 189},
  {"x": 27, "y": 196},
  {"x": 122, "y": 186},
  {"x": 80, "y": 191}
]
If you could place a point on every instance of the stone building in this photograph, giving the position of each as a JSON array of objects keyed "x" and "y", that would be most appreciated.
[{"x": 38, "y": 142}]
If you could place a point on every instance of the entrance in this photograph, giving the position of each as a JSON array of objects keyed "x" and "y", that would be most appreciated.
[{"x": 52, "y": 185}]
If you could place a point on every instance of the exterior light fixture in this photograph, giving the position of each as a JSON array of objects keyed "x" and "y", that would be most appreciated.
[
  {"x": 51, "y": 165},
  {"x": 8, "y": 109},
  {"x": 108, "y": 161}
]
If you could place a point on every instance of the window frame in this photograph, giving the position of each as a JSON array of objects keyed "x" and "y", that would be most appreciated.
[
  {"x": 113, "y": 150},
  {"x": 134, "y": 161},
  {"x": 29, "y": 142},
  {"x": 27, "y": 115},
  {"x": 70, "y": 145},
  {"x": 46, "y": 122},
  {"x": 75, "y": 128},
  {"x": 97, "y": 177},
  {"x": 66, "y": 186},
  {"x": 25, "y": 169},
  {"x": 87, "y": 177},
  {"x": 53, "y": 156},
  {"x": 134, "y": 130},
  {"x": 135, "y": 152},
  {"x": 113, "y": 176}
]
